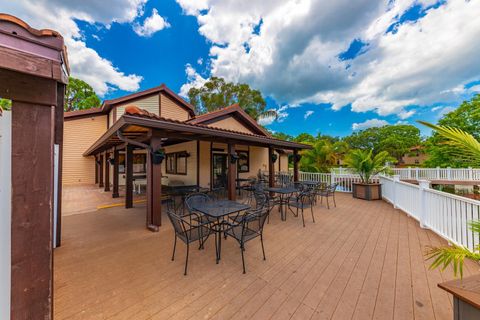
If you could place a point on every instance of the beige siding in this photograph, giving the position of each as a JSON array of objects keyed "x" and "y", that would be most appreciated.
[
  {"x": 151, "y": 104},
  {"x": 191, "y": 176},
  {"x": 230, "y": 123},
  {"x": 79, "y": 135},
  {"x": 171, "y": 110}
]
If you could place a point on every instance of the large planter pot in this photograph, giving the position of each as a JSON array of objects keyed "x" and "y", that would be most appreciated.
[{"x": 367, "y": 191}]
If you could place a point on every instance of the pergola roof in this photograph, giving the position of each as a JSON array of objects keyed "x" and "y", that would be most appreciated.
[{"x": 140, "y": 124}]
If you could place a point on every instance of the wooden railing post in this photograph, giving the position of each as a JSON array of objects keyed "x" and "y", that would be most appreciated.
[{"x": 424, "y": 184}]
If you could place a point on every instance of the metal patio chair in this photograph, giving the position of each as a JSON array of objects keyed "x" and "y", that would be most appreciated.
[
  {"x": 327, "y": 192},
  {"x": 248, "y": 228},
  {"x": 303, "y": 200}
]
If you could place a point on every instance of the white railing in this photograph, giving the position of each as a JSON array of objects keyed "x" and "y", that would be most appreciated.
[
  {"x": 344, "y": 180},
  {"x": 446, "y": 214},
  {"x": 5, "y": 212},
  {"x": 452, "y": 174}
]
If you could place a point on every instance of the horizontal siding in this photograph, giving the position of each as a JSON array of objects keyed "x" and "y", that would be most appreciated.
[
  {"x": 230, "y": 124},
  {"x": 151, "y": 104},
  {"x": 79, "y": 135},
  {"x": 171, "y": 110}
]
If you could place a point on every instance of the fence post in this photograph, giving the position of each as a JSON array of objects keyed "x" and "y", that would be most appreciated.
[
  {"x": 332, "y": 178},
  {"x": 470, "y": 173},
  {"x": 416, "y": 173},
  {"x": 438, "y": 174},
  {"x": 396, "y": 178},
  {"x": 423, "y": 184},
  {"x": 409, "y": 173},
  {"x": 449, "y": 173}
]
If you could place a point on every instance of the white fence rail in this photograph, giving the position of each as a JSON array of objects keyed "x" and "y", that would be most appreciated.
[
  {"x": 5, "y": 212},
  {"x": 452, "y": 174},
  {"x": 446, "y": 214},
  {"x": 344, "y": 180}
]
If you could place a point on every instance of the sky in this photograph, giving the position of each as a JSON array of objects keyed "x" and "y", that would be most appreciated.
[{"x": 329, "y": 67}]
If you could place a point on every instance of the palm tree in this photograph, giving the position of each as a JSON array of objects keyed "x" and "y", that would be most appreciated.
[
  {"x": 366, "y": 165},
  {"x": 320, "y": 158},
  {"x": 467, "y": 146}
]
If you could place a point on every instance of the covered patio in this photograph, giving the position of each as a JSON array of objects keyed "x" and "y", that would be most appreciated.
[
  {"x": 360, "y": 260},
  {"x": 139, "y": 129}
]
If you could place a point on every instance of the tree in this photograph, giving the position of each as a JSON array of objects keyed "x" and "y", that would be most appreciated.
[
  {"x": 282, "y": 136},
  {"x": 367, "y": 165},
  {"x": 80, "y": 95},
  {"x": 5, "y": 104},
  {"x": 216, "y": 94},
  {"x": 395, "y": 139},
  {"x": 466, "y": 118},
  {"x": 323, "y": 156},
  {"x": 467, "y": 146},
  {"x": 305, "y": 138}
]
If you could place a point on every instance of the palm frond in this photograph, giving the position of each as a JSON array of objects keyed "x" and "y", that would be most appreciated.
[
  {"x": 457, "y": 137},
  {"x": 474, "y": 226},
  {"x": 450, "y": 255}
]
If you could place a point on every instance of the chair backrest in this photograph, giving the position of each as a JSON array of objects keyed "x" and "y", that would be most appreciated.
[
  {"x": 260, "y": 199},
  {"x": 331, "y": 188},
  {"x": 254, "y": 220},
  {"x": 196, "y": 198},
  {"x": 177, "y": 222}
]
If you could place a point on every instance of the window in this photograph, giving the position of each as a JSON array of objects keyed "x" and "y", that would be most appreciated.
[
  {"x": 139, "y": 163},
  {"x": 243, "y": 161},
  {"x": 176, "y": 163}
]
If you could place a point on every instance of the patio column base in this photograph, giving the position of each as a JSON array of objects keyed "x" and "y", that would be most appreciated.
[{"x": 153, "y": 227}]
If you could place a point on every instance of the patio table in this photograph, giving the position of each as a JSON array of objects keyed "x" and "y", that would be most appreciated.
[
  {"x": 284, "y": 194},
  {"x": 181, "y": 191},
  {"x": 218, "y": 211}
]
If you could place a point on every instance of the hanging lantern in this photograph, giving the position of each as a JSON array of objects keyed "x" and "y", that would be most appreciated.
[
  {"x": 274, "y": 157},
  {"x": 234, "y": 158},
  {"x": 158, "y": 156}
]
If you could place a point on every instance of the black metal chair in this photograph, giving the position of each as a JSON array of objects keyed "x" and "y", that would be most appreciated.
[
  {"x": 303, "y": 200},
  {"x": 186, "y": 231},
  {"x": 198, "y": 198},
  {"x": 328, "y": 191},
  {"x": 248, "y": 228}
]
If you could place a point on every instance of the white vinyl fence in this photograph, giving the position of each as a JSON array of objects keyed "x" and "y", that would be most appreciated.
[
  {"x": 5, "y": 212},
  {"x": 446, "y": 214},
  {"x": 456, "y": 174}
]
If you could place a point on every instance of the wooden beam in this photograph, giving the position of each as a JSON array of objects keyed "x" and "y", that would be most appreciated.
[
  {"x": 107, "y": 172},
  {"x": 116, "y": 165},
  {"x": 295, "y": 165},
  {"x": 271, "y": 168},
  {"x": 154, "y": 188},
  {"x": 231, "y": 183},
  {"x": 129, "y": 177},
  {"x": 100, "y": 171},
  {"x": 32, "y": 211},
  {"x": 59, "y": 141},
  {"x": 96, "y": 169},
  {"x": 25, "y": 88}
]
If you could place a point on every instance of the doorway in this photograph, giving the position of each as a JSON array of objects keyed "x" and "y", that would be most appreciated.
[{"x": 219, "y": 170}]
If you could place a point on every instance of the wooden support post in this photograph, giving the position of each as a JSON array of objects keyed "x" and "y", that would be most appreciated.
[
  {"x": 100, "y": 171},
  {"x": 107, "y": 172},
  {"x": 232, "y": 195},
  {"x": 96, "y": 170},
  {"x": 116, "y": 164},
  {"x": 271, "y": 168},
  {"x": 154, "y": 189},
  {"x": 58, "y": 140},
  {"x": 129, "y": 176},
  {"x": 32, "y": 211},
  {"x": 295, "y": 165}
]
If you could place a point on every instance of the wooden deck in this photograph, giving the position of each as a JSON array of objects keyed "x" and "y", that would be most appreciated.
[{"x": 361, "y": 260}]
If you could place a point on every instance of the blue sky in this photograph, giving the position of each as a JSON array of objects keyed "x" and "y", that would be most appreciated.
[{"x": 328, "y": 67}]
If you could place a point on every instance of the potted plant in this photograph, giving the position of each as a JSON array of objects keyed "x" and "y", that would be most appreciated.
[{"x": 363, "y": 163}]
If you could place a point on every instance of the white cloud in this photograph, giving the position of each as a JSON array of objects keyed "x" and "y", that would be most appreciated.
[
  {"x": 406, "y": 114},
  {"x": 308, "y": 114},
  {"x": 194, "y": 80},
  {"x": 85, "y": 63},
  {"x": 289, "y": 50},
  {"x": 282, "y": 114},
  {"x": 151, "y": 25},
  {"x": 369, "y": 124},
  {"x": 475, "y": 88}
]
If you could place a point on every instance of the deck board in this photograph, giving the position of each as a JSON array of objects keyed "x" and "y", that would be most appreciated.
[{"x": 361, "y": 260}]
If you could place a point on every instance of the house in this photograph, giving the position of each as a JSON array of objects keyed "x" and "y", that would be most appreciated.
[
  {"x": 194, "y": 162},
  {"x": 415, "y": 157}
]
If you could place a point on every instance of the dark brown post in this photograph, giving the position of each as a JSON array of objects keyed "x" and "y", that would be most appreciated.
[
  {"x": 32, "y": 208},
  {"x": 96, "y": 169},
  {"x": 116, "y": 163},
  {"x": 271, "y": 168},
  {"x": 100, "y": 171},
  {"x": 107, "y": 172},
  {"x": 129, "y": 176},
  {"x": 154, "y": 189},
  {"x": 59, "y": 142},
  {"x": 231, "y": 174},
  {"x": 295, "y": 165}
]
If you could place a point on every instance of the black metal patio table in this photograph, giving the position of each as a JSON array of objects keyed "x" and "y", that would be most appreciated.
[
  {"x": 284, "y": 195},
  {"x": 219, "y": 210},
  {"x": 181, "y": 191}
]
